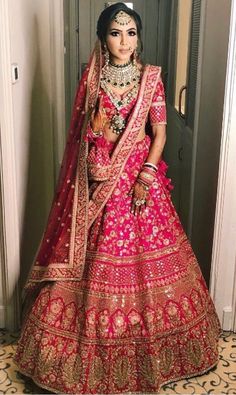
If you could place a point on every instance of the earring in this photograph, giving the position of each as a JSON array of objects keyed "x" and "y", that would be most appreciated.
[
  {"x": 106, "y": 55},
  {"x": 135, "y": 57}
]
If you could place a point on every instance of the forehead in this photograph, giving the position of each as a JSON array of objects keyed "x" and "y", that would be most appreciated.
[{"x": 123, "y": 22}]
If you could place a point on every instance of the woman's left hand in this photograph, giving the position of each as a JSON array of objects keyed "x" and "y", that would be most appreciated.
[{"x": 139, "y": 198}]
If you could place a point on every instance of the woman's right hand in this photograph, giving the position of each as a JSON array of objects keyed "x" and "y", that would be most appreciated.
[{"x": 98, "y": 118}]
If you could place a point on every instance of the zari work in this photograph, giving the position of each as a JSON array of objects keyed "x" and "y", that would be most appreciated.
[{"x": 139, "y": 313}]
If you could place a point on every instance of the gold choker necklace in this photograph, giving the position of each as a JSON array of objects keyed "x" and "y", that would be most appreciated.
[{"x": 121, "y": 75}]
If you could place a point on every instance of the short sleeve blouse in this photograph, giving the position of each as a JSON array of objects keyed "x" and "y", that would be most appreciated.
[{"x": 157, "y": 111}]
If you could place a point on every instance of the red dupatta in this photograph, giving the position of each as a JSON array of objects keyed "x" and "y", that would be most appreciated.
[{"x": 62, "y": 251}]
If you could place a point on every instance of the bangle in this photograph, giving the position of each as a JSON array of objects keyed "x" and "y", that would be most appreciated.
[
  {"x": 145, "y": 186},
  {"x": 150, "y": 165},
  {"x": 149, "y": 171},
  {"x": 147, "y": 177}
]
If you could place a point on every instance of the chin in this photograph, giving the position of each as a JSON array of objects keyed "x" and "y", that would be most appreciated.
[{"x": 123, "y": 59}]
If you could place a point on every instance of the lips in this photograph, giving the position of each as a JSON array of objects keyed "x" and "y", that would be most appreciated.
[{"x": 124, "y": 50}]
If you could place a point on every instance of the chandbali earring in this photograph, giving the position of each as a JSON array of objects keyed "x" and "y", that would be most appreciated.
[{"x": 106, "y": 55}]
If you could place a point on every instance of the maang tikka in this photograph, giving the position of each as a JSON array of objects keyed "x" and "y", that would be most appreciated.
[{"x": 122, "y": 18}]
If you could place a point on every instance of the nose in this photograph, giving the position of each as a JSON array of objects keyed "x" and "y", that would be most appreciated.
[{"x": 123, "y": 39}]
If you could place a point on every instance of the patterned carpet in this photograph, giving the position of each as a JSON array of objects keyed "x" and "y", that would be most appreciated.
[{"x": 220, "y": 380}]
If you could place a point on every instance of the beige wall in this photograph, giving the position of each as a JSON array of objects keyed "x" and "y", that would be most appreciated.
[{"x": 32, "y": 108}]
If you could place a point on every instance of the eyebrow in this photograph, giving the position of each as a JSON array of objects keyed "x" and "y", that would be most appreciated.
[{"x": 118, "y": 30}]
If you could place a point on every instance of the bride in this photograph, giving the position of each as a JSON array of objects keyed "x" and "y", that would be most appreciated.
[{"x": 115, "y": 301}]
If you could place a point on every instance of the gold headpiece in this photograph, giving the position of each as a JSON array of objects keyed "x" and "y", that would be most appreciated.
[{"x": 122, "y": 18}]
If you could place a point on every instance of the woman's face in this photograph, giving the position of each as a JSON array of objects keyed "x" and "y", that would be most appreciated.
[{"x": 121, "y": 41}]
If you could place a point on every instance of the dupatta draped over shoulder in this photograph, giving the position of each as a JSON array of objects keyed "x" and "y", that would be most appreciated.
[{"x": 62, "y": 250}]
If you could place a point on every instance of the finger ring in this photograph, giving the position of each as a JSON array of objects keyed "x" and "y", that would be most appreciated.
[
  {"x": 97, "y": 133},
  {"x": 139, "y": 202}
]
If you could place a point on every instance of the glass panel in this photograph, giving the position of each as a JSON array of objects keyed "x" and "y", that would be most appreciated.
[{"x": 183, "y": 35}]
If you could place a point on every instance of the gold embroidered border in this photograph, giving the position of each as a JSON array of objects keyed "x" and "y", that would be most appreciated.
[
  {"x": 104, "y": 257},
  {"x": 142, "y": 339},
  {"x": 87, "y": 287},
  {"x": 57, "y": 272},
  {"x": 147, "y": 392},
  {"x": 158, "y": 103}
]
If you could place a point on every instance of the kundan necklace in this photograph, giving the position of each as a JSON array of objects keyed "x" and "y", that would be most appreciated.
[{"x": 120, "y": 76}]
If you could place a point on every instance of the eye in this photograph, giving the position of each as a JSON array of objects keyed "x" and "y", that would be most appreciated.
[
  {"x": 132, "y": 33},
  {"x": 114, "y": 34}
]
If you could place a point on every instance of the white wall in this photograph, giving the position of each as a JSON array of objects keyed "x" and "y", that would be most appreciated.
[
  {"x": 31, "y": 35},
  {"x": 223, "y": 276},
  {"x": 32, "y": 103},
  {"x": 32, "y": 111}
]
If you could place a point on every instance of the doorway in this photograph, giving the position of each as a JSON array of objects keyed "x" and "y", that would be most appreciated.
[{"x": 181, "y": 97}]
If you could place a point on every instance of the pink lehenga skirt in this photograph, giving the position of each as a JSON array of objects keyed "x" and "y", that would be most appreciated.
[{"x": 140, "y": 317}]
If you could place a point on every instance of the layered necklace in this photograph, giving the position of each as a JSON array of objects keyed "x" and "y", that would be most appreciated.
[{"x": 120, "y": 76}]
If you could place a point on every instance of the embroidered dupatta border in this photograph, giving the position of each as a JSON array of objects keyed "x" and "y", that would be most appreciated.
[
  {"x": 66, "y": 270},
  {"x": 79, "y": 228}
]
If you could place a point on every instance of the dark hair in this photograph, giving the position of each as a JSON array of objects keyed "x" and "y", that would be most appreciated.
[{"x": 108, "y": 15}]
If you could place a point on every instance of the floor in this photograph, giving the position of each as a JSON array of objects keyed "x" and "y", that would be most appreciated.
[{"x": 221, "y": 380}]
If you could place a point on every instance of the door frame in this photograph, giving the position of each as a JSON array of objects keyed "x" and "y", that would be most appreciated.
[
  {"x": 223, "y": 270},
  {"x": 10, "y": 237}
]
